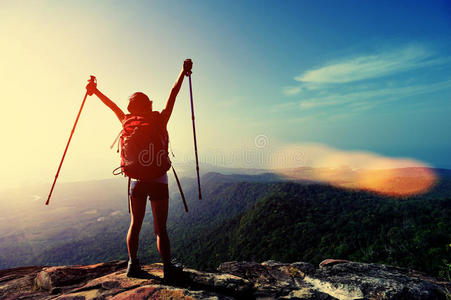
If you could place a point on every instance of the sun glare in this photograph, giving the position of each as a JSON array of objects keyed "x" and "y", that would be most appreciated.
[{"x": 354, "y": 169}]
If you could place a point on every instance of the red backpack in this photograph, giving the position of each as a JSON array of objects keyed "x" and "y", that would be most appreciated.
[{"x": 144, "y": 146}]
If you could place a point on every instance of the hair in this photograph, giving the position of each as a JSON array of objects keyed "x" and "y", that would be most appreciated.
[{"x": 139, "y": 103}]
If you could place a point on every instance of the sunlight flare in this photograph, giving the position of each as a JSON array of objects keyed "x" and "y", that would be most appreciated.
[{"x": 353, "y": 169}]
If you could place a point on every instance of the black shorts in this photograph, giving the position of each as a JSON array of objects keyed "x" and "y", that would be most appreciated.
[{"x": 155, "y": 190}]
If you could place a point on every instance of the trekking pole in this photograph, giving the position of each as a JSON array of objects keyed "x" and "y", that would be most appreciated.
[
  {"x": 94, "y": 81},
  {"x": 194, "y": 134},
  {"x": 180, "y": 189}
]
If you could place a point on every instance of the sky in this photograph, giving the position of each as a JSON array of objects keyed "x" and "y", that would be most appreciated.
[{"x": 271, "y": 79}]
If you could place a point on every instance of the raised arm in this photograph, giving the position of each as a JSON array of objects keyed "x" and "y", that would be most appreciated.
[
  {"x": 92, "y": 89},
  {"x": 119, "y": 113},
  {"x": 186, "y": 70}
]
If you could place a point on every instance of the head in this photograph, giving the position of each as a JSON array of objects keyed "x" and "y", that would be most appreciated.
[{"x": 139, "y": 103}]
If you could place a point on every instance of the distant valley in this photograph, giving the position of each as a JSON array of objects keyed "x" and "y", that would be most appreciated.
[{"x": 241, "y": 217}]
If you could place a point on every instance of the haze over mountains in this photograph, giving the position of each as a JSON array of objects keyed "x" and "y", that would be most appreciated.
[{"x": 304, "y": 220}]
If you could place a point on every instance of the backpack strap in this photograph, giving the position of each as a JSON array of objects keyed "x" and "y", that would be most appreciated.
[
  {"x": 116, "y": 140},
  {"x": 118, "y": 171},
  {"x": 128, "y": 194}
]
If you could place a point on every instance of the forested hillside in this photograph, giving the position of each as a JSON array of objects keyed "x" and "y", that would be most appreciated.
[
  {"x": 296, "y": 222},
  {"x": 253, "y": 217}
]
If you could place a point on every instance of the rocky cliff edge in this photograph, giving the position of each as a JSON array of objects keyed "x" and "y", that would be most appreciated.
[{"x": 333, "y": 279}]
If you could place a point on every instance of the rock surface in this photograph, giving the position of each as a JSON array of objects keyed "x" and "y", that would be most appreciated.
[{"x": 334, "y": 279}]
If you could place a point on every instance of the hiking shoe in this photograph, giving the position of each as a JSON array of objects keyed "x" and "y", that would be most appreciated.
[
  {"x": 173, "y": 273},
  {"x": 134, "y": 270},
  {"x": 176, "y": 264}
]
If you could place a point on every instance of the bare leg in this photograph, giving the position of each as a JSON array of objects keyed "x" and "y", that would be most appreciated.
[
  {"x": 137, "y": 210},
  {"x": 160, "y": 215}
]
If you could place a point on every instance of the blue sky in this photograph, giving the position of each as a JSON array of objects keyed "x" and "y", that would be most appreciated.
[
  {"x": 353, "y": 75},
  {"x": 350, "y": 75}
]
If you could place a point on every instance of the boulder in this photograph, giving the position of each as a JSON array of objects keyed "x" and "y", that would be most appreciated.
[
  {"x": 337, "y": 279},
  {"x": 55, "y": 278}
]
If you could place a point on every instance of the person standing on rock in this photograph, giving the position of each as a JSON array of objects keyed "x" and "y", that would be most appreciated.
[{"x": 140, "y": 110}]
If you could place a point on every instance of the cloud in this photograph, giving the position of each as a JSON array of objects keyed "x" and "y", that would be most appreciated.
[
  {"x": 370, "y": 66},
  {"x": 279, "y": 107},
  {"x": 355, "y": 99},
  {"x": 349, "y": 86},
  {"x": 36, "y": 198},
  {"x": 289, "y": 90}
]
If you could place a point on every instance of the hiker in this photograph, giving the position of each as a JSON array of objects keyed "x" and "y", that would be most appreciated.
[{"x": 157, "y": 188}]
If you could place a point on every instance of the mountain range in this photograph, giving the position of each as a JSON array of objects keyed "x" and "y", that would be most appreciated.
[{"x": 254, "y": 217}]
